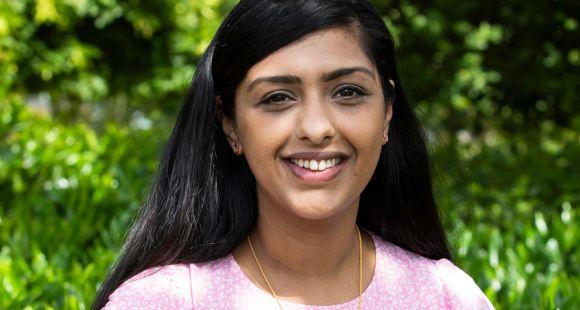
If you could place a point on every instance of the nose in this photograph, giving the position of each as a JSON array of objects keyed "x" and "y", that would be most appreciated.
[{"x": 315, "y": 124}]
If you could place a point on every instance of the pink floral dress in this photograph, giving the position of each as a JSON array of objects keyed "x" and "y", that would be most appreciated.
[{"x": 402, "y": 280}]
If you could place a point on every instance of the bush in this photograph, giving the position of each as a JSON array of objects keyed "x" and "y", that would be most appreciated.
[
  {"x": 510, "y": 214},
  {"x": 68, "y": 195}
]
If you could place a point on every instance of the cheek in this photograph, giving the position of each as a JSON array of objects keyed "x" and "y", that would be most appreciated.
[
  {"x": 364, "y": 132},
  {"x": 364, "y": 128},
  {"x": 262, "y": 136}
]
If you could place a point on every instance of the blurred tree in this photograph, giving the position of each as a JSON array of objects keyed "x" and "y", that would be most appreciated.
[
  {"x": 514, "y": 62},
  {"x": 491, "y": 63}
]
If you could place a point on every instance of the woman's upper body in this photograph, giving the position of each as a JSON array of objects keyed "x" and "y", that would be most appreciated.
[
  {"x": 295, "y": 129},
  {"x": 401, "y": 280}
]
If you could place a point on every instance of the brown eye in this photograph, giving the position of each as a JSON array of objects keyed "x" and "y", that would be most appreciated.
[
  {"x": 277, "y": 98},
  {"x": 349, "y": 92}
]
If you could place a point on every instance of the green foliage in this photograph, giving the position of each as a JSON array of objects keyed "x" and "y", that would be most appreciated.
[
  {"x": 116, "y": 53},
  {"x": 89, "y": 90},
  {"x": 68, "y": 194},
  {"x": 511, "y": 213}
]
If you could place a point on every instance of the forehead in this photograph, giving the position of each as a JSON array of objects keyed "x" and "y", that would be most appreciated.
[{"x": 314, "y": 54}]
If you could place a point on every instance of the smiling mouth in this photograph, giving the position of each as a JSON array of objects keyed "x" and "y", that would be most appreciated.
[
  {"x": 315, "y": 171},
  {"x": 316, "y": 165}
]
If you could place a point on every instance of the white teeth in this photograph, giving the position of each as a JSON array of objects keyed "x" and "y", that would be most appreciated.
[
  {"x": 313, "y": 165},
  {"x": 316, "y": 165}
]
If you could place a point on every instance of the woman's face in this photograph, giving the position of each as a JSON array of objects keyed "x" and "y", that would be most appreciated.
[{"x": 317, "y": 102}]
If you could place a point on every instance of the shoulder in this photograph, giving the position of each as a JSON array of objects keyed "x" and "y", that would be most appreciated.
[
  {"x": 430, "y": 279},
  {"x": 460, "y": 289},
  {"x": 163, "y": 287}
]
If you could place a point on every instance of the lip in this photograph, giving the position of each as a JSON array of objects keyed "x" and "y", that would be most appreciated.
[
  {"x": 315, "y": 177},
  {"x": 316, "y": 155}
]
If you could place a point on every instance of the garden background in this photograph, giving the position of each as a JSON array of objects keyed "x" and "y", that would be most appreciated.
[{"x": 89, "y": 90}]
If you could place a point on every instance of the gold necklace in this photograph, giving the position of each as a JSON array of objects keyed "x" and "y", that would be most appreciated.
[{"x": 359, "y": 264}]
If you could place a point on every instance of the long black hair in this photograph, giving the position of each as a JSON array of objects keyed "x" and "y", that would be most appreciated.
[{"x": 203, "y": 203}]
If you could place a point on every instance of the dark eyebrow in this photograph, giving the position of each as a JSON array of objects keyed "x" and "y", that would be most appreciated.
[
  {"x": 327, "y": 77},
  {"x": 280, "y": 79},
  {"x": 345, "y": 71}
]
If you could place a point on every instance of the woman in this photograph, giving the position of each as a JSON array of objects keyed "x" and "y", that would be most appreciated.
[{"x": 296, "y": 177}]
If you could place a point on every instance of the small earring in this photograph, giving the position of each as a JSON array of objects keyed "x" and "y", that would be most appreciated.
[{"x": 236, "y": 150}]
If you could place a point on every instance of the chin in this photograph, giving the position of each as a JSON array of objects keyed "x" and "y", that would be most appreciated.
[{"x": 315, "y": 212}]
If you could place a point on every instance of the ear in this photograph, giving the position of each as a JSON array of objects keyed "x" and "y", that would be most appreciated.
[
  {"x": 228, "y": 126},
  {"x": 388, "y": 117}
]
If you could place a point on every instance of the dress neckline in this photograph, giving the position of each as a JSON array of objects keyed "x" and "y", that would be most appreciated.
[{"x": 285, "y": 303}]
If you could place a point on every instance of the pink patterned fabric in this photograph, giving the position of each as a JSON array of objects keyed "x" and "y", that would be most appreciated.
[{"x": 402, "y": 280}]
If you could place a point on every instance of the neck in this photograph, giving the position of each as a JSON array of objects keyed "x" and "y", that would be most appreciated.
[{"x": 306, "y": 248}]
